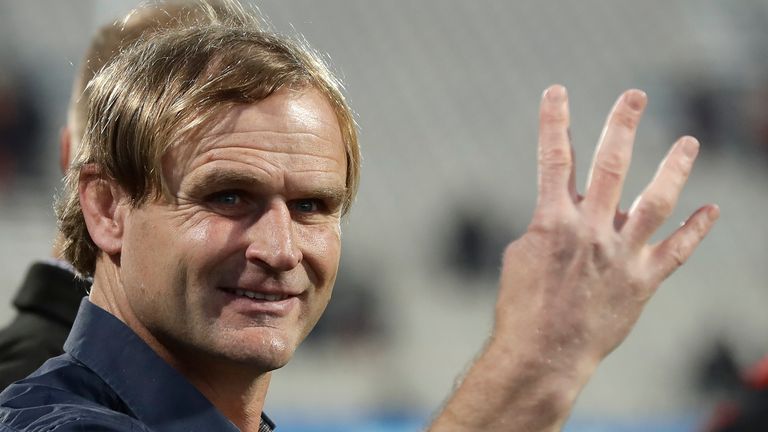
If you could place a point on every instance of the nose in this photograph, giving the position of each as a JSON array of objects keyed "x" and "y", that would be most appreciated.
[{"x": 272, "y": 240}]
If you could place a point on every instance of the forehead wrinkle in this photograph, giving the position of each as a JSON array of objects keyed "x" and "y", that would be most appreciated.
[
  {"x": 243, "y": 172},
  {"x": 294, "y": 142},
  {"x": 218, "y": 174},
  {"x": 269, "y": 130},
  {"x": 246, "y": 155},
  {"x": 246, "y": 161},
  {"x": 309, "y": 171}
]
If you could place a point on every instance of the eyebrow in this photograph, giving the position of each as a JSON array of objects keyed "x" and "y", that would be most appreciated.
[
  {"x": 236, "y": 178},
  {"x": 333, "y": 194},
  {"x": 219, "y": 176}
]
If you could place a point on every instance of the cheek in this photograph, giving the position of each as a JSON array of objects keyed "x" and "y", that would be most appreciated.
[
  {"x": 158, "y": 248},
  {"x": 146, "y": 247},
  {"x": 200, "y": 233},
  {"x": 205, "y": 240},
  {"x": 322, "y": 249}
]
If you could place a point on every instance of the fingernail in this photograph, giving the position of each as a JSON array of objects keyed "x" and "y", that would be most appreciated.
[
  {"x": 636, "y": 99},
  {"x": 713, "y": 213},
  {"x": 690, "y": 147},
  {"x": 555, "y": 93}
]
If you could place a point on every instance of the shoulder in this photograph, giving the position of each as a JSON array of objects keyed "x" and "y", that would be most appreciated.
[
  {"x": 67, "y": 418},
  {"x": 63, "y": 395}
]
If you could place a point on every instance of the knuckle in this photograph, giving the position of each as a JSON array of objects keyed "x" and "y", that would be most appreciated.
[
  {"x": 701, "y": 227},
  {"x": 555, "y": 156},
  {"x": 625, "y": 119},
  {"x": 680, "y": 170},
  {"x": 637, "y": 281},
  {"x": 553, "y": 116},
  {"x": 600, "y": 248},
  {"x": 508, "y": 256},
  {"x": 655, "y": 207},
  {"x": 612, "y": 165},
  {"x": 682, "y": 164},
  {"x": 555, "y": 220},
  {"x": 544, "y": 226},
  {"x": 598, "y": 251},
  {"x": 678, "y": 254},
  {"x": 570, "y": 238},
  {"x": 695, "y": 229}
]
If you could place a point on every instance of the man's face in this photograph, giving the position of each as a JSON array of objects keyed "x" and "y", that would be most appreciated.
[{"x": 240, "y": 263}]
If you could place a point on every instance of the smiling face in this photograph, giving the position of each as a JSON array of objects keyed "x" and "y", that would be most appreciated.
[{"x": 239, "y": 262}]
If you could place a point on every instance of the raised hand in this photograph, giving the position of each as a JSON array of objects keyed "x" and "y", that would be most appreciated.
[{"x": 575, "y": 283}]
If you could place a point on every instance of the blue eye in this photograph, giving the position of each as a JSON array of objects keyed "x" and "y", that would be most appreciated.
[
  {"x": 229, "y": 198},
  {"x": 306, "y": 206}
]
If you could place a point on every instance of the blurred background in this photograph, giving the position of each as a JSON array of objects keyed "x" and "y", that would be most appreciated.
[{"x": 446, "y": 93}]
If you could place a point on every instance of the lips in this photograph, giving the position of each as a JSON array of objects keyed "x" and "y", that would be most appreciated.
[
  {"x": 260, "y": 303},
  {"x": 258, "y": 295}
]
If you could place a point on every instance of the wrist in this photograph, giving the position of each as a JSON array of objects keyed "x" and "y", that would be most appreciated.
[
  {"x": 514, "y": 385},
  {"x": 538, "y": 387}
]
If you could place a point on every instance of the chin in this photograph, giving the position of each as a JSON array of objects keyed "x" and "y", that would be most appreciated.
[{"x": 264, "y": 355}]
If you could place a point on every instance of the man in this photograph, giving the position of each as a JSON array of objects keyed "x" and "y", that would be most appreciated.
[
  {"x": 206, "y": 203},
  {"x": 50, "y": 295}
]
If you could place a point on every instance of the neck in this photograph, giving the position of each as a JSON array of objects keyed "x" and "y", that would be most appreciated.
[
  {"x": 237, "y": 390},
  {"x": 233, "y": 390}
]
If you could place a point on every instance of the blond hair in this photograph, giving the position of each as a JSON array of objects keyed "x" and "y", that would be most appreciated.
[
  {"x": 112, "y": 38},
  {"x": 164, "y": 89}
]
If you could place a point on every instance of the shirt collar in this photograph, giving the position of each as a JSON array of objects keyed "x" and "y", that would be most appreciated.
[{"x": 158, "y": 395}]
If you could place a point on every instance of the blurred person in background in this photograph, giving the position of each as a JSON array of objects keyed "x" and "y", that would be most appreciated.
[
  {"x": 745, "y": 409},
  {"x": 50, "y": 294},
  {"x": 206, "y": 203},
  {"x": 19, "y": 130}
]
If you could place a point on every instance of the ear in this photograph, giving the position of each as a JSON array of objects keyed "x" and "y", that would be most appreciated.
[
  {"x": 104, "y": 206},
  {"x": 65, "y": 148}
]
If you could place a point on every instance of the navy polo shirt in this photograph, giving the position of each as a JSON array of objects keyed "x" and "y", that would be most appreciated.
[{"x": 108, "y": 379}]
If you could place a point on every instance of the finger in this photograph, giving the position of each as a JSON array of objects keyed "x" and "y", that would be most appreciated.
[
  {"x": 655, "y": 204},
  {"x": 613, "y": 154},
  {"x": 575, "y": 197},
  {"x": 555, "y": 154},
  {"x": 678, "y": 247}
]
